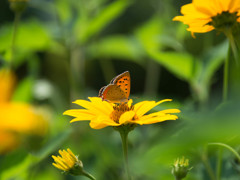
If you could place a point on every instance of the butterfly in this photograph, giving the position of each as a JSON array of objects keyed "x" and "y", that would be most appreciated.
[{"x": 118, "y": 90}]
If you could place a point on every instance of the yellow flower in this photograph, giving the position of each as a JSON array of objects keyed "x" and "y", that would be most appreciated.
[
  {"x": 102, "y": 113},
  {"x": 17, "y": 119},
  {"x": 203, "y": 16},
  {"x": 70, "y": 164},
  {"x": 67, "y": 162}
]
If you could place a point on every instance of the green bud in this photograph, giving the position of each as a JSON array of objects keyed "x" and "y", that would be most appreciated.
[
  {"x": 181, "y": 168},
  {"x": 18, "y": 6}
]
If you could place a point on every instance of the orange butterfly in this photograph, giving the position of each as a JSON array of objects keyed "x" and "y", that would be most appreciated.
[{"x": 118, "y": 89}]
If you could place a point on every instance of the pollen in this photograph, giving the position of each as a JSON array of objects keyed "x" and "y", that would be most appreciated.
[{"x": 119, "y": 109}]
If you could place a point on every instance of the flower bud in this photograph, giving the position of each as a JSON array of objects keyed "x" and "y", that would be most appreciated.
[
  {"x": 18, "y": 6},
  {"x": 70, "y": 164},
  {"x": 180, "y": 168}
]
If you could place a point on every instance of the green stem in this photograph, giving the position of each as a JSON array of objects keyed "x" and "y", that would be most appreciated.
[
  {"x": 225, "y": 78},
  {"x": 124, "y": 135},
  {"x": 88, "y": 175},
  {"x": 208, "y": 167},
  {"x": 176, "y": 178},
  {"x": 227, "y": 147},
  {"x": 233, "y": 47},
  {"x": 15, "y": 28},
  {"x": 219, "y": 165}
]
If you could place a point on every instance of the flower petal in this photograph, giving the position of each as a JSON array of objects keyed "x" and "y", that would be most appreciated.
[
  {"x": 80, "y": 114},
  {"x": 59, "y": 166},
  {"x": 126, "y": 117},
  {"x": 234, "y": 6},
  {"x": 143, "y": 107},
  {"x": 96, "y": 105},
  {"x": 210, "y": 8},
  {"x": 102, "y": 122},
  {"x": 160, "y": 114},
  {"x": 156, "y": 119},
  {"x": 167, "y": 111},
  {"x": 191, "y": 11}
]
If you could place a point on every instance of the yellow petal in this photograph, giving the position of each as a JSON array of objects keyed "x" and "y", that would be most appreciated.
[
  {"x": 238, "y": 19},
  {"x": 82, "y": 114},
  {"x": 102, "y": 122},
  {"x": 167, "y": 111},
  {"x": 203, "y": 29},
  {"x": 160, "y": 113},
  {"x": 234, "y": 6},
  {"x": 190, "y": 9},
  {"x": 208, "y": 8},
  {"x": 72, "y": 155},
  {"x": 96, "y": 107},
  {"x": 99, "y": 102},
  {"x": 67, "y": 159},
  {"x": 59, "y": 166},
  {"x": 126, "y": 117},
  {"x": 59, "y": 161},
  {"x": 156, "y": 119},
  {"x": 143, "y": 107},
  {"x": 224, "y": 4},
  {"x": 130, "y": 102},
  {"x": 78, "y": 119}
]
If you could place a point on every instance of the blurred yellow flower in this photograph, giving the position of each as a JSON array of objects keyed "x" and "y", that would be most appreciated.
[
  {"x": 67, "y": 161},
  {"x": 203, "y": 16},
  {"x": 102, "y": 113},
  {"x": 16, "y": 119}
]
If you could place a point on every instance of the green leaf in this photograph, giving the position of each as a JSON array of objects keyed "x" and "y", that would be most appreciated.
[
  {"x": 212, "y": 60},
  {"x": 24, "y": 90},
  {"x": 182, "y": 65},
  {"x": 64, "y": 10},
  {"x": 117, "y": 47},
  {"x": 31, "y": 36},
  {"x": 15, "y": 164},
  {"x": 102, "y": 19},
  {"x": 53, "y": 144},
  {"x": 149, "y": 34}
]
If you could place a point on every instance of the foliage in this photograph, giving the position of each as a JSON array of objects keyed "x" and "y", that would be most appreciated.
[{"x": 67, "y": 50}]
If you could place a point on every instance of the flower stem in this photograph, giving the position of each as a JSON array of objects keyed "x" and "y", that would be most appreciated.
[
  {"x": 88, "y": 175},
  {"x": 176, "y": 178},
  {"x": 124, "y": 135},
  {"x": 227, "y": 147},
  {"x": 15, "y": 28},
  {"x": 225, "y": 78},
  {"x": 233, "y": 47},
  {"x": 219, "y": 164},
  {"x": 208, "y": 166}
]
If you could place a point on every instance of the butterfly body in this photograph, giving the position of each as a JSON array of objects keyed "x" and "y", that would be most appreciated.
[{"x": 118, "y": 89}]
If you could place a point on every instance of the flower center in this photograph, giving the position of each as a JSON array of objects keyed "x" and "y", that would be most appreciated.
[
  {"x": 224, "y": 21},
  {"x": 119, "y": 109}
]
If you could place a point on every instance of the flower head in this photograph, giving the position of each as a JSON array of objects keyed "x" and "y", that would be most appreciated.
[
  {"x": 102, "y": 113},
  {"x": 181, "y": 168},
  {"x": 18, "y": 120},
  {"x": 68, "y": 162},
  {"x": 203, "y": 16}
]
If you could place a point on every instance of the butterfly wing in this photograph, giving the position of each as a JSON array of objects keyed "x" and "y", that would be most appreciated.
[
  {"x": 124, "y": 82},
  {"x": 113, "y": 93}
]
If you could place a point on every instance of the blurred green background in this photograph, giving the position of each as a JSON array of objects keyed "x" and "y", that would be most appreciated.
[{"x": 68, "y": 50}]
